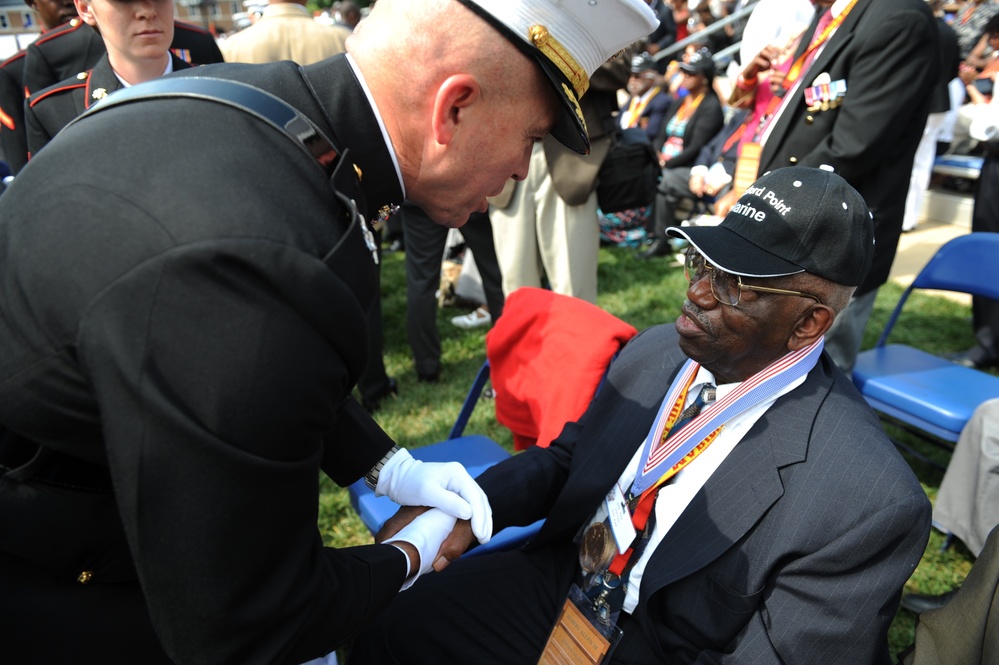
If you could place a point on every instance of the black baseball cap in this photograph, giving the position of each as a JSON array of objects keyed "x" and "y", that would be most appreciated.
[{"x": 792, "y": 220}]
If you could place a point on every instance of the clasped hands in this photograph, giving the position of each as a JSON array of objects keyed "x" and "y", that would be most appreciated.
[{"x": 444, "y": 509}]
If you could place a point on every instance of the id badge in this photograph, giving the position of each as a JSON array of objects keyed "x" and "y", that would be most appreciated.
[
  {"x": 579, "y": 636},
  {"x": 620, "y": 519}
]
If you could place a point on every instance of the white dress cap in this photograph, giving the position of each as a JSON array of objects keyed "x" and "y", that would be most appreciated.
[{"x": 569, "y": 39}]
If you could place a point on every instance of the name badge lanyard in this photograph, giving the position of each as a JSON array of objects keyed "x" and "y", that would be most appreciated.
[{"x": 673, "y": 453}]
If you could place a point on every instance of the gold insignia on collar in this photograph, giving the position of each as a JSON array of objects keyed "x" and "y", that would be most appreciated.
[
  {"x": 560, "y": 57},
  {"x": 74, "y": 22},
  {"x": 357, "y": 170},
  {"x": 99, "y": 93}
]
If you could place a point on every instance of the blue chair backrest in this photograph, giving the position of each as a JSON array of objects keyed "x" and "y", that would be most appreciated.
[{"x": 966, "y": 264}]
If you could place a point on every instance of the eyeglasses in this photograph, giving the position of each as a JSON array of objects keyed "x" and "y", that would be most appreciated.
[{"x": 726, "y": 287}]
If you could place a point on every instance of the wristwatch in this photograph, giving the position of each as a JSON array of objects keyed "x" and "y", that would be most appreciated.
[{"x": 371, "y": 477}]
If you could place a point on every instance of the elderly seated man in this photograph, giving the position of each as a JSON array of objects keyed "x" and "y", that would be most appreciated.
[{"x": 776, "y": 525}]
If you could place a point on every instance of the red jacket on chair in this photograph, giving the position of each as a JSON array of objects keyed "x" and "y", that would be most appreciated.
[{"x": 547, "y": 356}]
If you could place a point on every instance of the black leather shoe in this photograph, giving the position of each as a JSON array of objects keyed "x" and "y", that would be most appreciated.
[
  {"x": 919, "y": 603},
  {"x": 432, "y": 377},
  {"x": 372, "y": 402},
  {"x": 656, "y": 249},
  {"x": 971, "y": 358}
]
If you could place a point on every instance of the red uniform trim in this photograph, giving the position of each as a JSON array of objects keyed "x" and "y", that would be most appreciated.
[
  {"x": 64, "y": 29},
  {"x": 17, "y": 56},
  {"x": 6, "y": 121},
  {"x": 49, "y": 93}
]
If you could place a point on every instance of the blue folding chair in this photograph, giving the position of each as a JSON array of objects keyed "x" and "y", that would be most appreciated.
[
  {"x": 476, "y": 452},
  {"x": 539, "y": 330},
  {"x": 922, "y": 393}
]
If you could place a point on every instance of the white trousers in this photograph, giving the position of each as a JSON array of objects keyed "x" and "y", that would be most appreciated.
[
  {"x": 922, "y": 169},
  {"x": 539, "y": 233}
]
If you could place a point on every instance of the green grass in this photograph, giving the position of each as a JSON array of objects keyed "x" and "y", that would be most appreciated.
[{"x": 642, "y": 293}]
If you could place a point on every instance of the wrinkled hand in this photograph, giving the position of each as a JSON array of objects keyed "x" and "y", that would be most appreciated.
[
  {"x": 776, "y": 81},
  {"x": 761, "y": 63},
  {"x": 447, "y": 486},
  {"x": 402, "y": 517},
  {"x": 696, "y": 185},
  {"x": 967, "y": 73},
  {"x": 456, "y": 544},
  {"x": 725, "y": 203},
  {"x": 426, "y": 533}
]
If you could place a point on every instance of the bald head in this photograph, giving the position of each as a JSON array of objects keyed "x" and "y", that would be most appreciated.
[{"x": 447, "y": 85}]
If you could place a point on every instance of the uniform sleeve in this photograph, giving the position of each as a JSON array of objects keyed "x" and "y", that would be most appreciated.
[
  {"x": 220, "y": 369},
  {"x": 37, "y": 135},
  {"x": 12, "y": 136}
]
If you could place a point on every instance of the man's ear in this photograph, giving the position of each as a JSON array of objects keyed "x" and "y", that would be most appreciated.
[
  {"x": 812, "y": 324},
  {"x": 453, "y": 97}
]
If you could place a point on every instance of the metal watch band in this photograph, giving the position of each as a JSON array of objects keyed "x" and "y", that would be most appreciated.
[{"x": 371, "y": 477}]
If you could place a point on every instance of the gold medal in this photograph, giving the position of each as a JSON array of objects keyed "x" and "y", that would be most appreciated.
[{"x": 597, "y": 550}]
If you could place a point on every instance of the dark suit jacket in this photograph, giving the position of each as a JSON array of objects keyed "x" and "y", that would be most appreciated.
[
  {"x": 654, "y": 115},
  {"x": 949, "y": 54},
  {"x": 574, "y": 176},
  {"x": 885, "y": 50},
  {"x": 51, "y": 109},
  {"x": 172, "y": 311},
  {"x": 75, "y": 47},
  {"x": 794, "y": 551},
  {"x": 701, "y": 127}
]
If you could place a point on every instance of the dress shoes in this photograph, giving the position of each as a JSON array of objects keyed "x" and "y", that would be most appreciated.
[
  {"x": 372, "y": 402},
  {"x": 919, "y": 603},
  {"x": 971, "y": 358},
  {"x": 656, "y": 249},
  {"x": 430, "y": 377}
]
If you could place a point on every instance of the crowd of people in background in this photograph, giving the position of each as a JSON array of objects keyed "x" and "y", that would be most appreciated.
[
  {"x": 718, "y": 97},
  {"x": 871, "y": 90}
]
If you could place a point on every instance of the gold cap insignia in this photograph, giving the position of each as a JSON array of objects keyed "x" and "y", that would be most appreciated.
[
  {"x": 560, "y": 57},
  {"x": 575, "y": 104}
]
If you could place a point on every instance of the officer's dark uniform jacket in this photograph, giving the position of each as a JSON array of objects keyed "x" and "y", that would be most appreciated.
[
  {"x": 174, "y": 341},
  {"x": 53, "y": 108},
  {"x": 76, "y": 47},
  {"x": 13, "y": 146}
]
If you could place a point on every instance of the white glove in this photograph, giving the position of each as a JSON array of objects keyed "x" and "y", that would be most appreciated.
[
  {"x": 426, "y": 533},
  {"x": 410, "y": 482}
]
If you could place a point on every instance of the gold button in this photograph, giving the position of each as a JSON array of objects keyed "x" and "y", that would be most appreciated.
[
  {"x": 793, "y": 160},
  {"x": 81, "y": 75},
  {"x": 809, "y": 119},
  {"x": 85, "y": 577},
  {"x": 538, "y": 35}
]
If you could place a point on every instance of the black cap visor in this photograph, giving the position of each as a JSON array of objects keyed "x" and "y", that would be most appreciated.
[
  {"x": 570, "y": 128},
  {"x": 732, "y": 253}
]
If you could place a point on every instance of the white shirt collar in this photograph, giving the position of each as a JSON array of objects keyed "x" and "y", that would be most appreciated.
[
  {"x": 381, "y": 123},
  {"x": 169, "y": 68}
]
